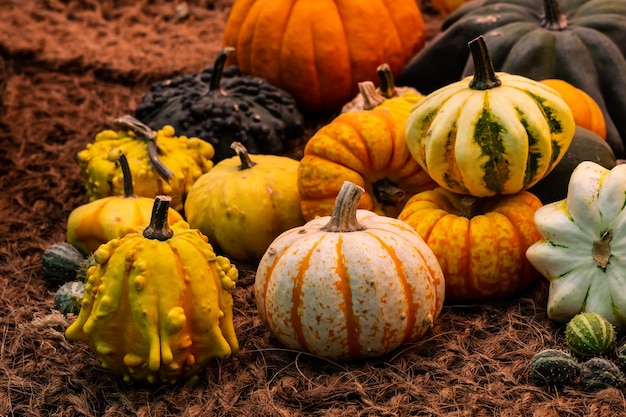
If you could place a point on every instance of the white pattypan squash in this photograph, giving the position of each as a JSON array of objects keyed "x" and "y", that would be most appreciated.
[{"x": 583, "y": 247}]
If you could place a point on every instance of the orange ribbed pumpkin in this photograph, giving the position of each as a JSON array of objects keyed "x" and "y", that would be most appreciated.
[
  {"x": 349, "y": 286},
  {"x": 319, "y": 51},
  {"x": 368, "y": 148},
  {"x": 480, "y": 242},
  {"x": 586, "y": 111}
]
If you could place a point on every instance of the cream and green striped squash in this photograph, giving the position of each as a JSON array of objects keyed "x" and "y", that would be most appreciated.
[
  {"x": 490, "y": 134},
  {"x": 590, "y": 334}
]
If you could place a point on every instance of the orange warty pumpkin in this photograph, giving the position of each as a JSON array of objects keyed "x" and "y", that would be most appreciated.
[
  {"x": 586, "y": 111},
  {"x": 319, "y": 50},
  {"x": 480, "y": 242}
]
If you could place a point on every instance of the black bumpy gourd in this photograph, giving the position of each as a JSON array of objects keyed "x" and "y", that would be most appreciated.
[{"x": 221, "y": 106}]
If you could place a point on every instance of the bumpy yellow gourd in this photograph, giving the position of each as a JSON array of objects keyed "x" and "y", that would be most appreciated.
[
  {"x": 162, "y": 163},
  {"x": 97, "y": 222},
  {"x": 157, "y": 305},
  {"x": 245, "y": 202}
]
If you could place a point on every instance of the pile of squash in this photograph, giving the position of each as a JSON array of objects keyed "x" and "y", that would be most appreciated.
[{"x": 493, "y": 163}]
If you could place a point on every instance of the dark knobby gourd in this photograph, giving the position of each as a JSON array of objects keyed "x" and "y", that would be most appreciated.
[
  {"x": 582, "y": 42},
  {"x": 600, "y": 373},
  {"x": 554, "y": 367},
  {"x": 221, "y": 106}
]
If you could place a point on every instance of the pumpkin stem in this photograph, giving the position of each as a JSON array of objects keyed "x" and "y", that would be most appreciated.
[
  {"x": 484, "y": 75},
  {"x": 387, "y": 86},
  {"x": 218, "y": 69},
  {"x": 126, "y": 177},
  {"x": 244, "y": 157},
  {"x": 387, "y": 192},
  {"x": 468, "y": 207},
  {"x": 552, "y": 18},
  {"x": 371, "y": 97},
  {"x": 158, "y": 229},
  {"x": 601, "y": 250},
  {"x": 143, "y": 131},
  {"x": 344, "y": 214}
]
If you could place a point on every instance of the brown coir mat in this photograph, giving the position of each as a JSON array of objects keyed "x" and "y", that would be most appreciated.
[{"x": 67, "y": 69}]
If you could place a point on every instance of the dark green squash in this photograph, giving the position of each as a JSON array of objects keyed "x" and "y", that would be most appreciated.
[
  {"x": 600, "y": 373},
  {"x": 61, "y": 262},
  {"x": 222, "y": 106},
  {"x": 582, "y": 42},
  {"x": 69, "y": 297},
  {"x": 585, "y": 146},
  {"x": 553, "y": 367}
]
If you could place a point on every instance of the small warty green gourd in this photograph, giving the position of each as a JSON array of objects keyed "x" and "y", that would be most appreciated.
[
  {"x": 600, "y": 373},
  {"x": 554, "y": 367}
]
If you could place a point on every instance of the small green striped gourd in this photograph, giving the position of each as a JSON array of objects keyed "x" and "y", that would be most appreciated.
[
  {"x": 554, "y": 367},
  {"x": 490, "y": 134},
  {"x": 61, "y": 262},
  {"x": 349, "y": 286},
  {"x": 589, "y": 334}
]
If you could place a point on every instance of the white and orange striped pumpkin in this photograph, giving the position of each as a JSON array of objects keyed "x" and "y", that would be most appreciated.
[{"x": 351, "y": 285}]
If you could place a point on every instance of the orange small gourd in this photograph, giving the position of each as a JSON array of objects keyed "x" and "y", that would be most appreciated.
[
  {"x": 586, "y": 111},
  {"x": 368, "y": 148},
  {"x": 480, "y": 242}
]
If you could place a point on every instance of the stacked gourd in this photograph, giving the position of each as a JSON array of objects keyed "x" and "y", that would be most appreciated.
[{"x": 485, "y": 140}]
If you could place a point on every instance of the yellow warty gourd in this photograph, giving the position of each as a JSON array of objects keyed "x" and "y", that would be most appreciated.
[{"x": 157, "y": 306}]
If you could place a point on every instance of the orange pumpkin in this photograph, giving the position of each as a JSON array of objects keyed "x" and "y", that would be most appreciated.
[
  {"x": 368, "y": 148},
  {"x": 350, "y": 285},
  {"x": 586, "y": 111},
  {"x": 480, "y": 242},
  {"x": 319, "y": 51}
]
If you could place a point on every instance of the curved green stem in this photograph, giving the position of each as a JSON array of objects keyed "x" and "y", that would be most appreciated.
[
  {"x": 244, "y": 157},
  {"x": 484, "y": 75},
  {"x": 218, "y": 69},
  {"x": 143, "y": 131},
  {"x": 126, "y": 177},
  {"x": 344, "y": 213},
  {"x": 159, "y": 229}
]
